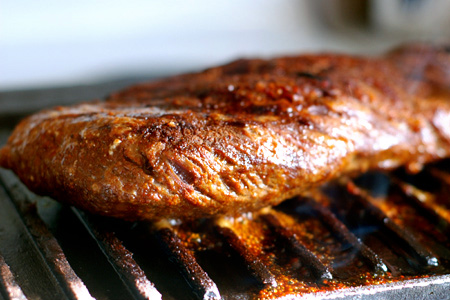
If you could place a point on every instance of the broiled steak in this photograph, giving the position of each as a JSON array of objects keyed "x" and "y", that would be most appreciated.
[{"x": 238, "y": 137}]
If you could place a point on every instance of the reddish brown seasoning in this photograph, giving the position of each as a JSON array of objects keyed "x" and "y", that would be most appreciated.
[{"x": 238, "y": 137}]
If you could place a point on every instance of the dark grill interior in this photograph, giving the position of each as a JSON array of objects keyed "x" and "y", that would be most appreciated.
[{"x": 375, "y": 237}]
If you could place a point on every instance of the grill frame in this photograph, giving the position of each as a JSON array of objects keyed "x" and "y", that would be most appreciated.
[{"x": 35, "y": 226}]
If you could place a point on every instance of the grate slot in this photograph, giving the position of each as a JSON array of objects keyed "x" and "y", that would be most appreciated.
[
  {"x": 200, "y": 282},
  {"x": 426, "y": 203},
  {"x": 379, "y": 265},
  {"x": 120, "y": 258},
  {"x": 9, "y": 289},
  {"x": 257, "y": 268},
  {"x": 308, "y": 259},
  {"x": 424, "y": 256}
]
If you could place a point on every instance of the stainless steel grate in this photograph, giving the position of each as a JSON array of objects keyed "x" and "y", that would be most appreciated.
[{"x": 343, "y": 239}]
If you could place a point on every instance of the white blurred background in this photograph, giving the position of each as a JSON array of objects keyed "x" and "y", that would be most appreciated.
[{"x": 50, "y": 43}]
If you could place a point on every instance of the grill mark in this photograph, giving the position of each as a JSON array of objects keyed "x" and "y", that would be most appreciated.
[
  {"x": 182, "y": 172},
  {"x": 222, "y": 156},
  {"x": 232, "y": 187},
  {"x": 309, "y": 75},
  {"x": 188, "y": 179},
  {"x": 202, "y": 162}
]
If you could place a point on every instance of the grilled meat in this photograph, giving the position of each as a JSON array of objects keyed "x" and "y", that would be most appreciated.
[{"x": 238, "y": 137}]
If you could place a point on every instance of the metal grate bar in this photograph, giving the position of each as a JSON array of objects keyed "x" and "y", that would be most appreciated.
[
  {"x": 378, "y": 264},
  {"x": 425, "y": 201},
  {"x": 120, "y": 258},
  {"x": 11, "y": 289},
  {"x": 424, "y": 256},
  {"x": 72, "y": 285},
  {"x": 40, "y": 268},
  {"x": 308, "y": 259},
  {"x": 256, "y": 267},
  {"x": 68, "y": 279},
  {"x": 202, "y": 285}
]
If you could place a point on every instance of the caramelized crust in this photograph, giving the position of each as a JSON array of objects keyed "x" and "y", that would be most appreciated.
[{"x": 238, "y": 137}]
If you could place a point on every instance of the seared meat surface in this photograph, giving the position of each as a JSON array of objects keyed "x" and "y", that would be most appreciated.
[{"x": 238, "y": 137}]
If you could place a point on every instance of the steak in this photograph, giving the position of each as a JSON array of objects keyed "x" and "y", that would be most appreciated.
[{"x": 238, "y": 137}]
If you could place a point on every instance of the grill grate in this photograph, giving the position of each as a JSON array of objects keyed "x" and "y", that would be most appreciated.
[
  {"x": 202, "y": 285},
  {"x": 256, "y": 267},
  {"x": 121, "y": 259},
  {"x": 308, "y": 259},
  {"x": 422, "y": 254},
  {"x": 381, "y": 231}
]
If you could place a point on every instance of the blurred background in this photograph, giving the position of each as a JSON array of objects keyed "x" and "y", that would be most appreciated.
[{"x": 50, "y": 43}]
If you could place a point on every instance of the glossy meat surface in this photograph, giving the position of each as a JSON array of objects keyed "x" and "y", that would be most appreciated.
[{"x": 238, "y": 137}]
